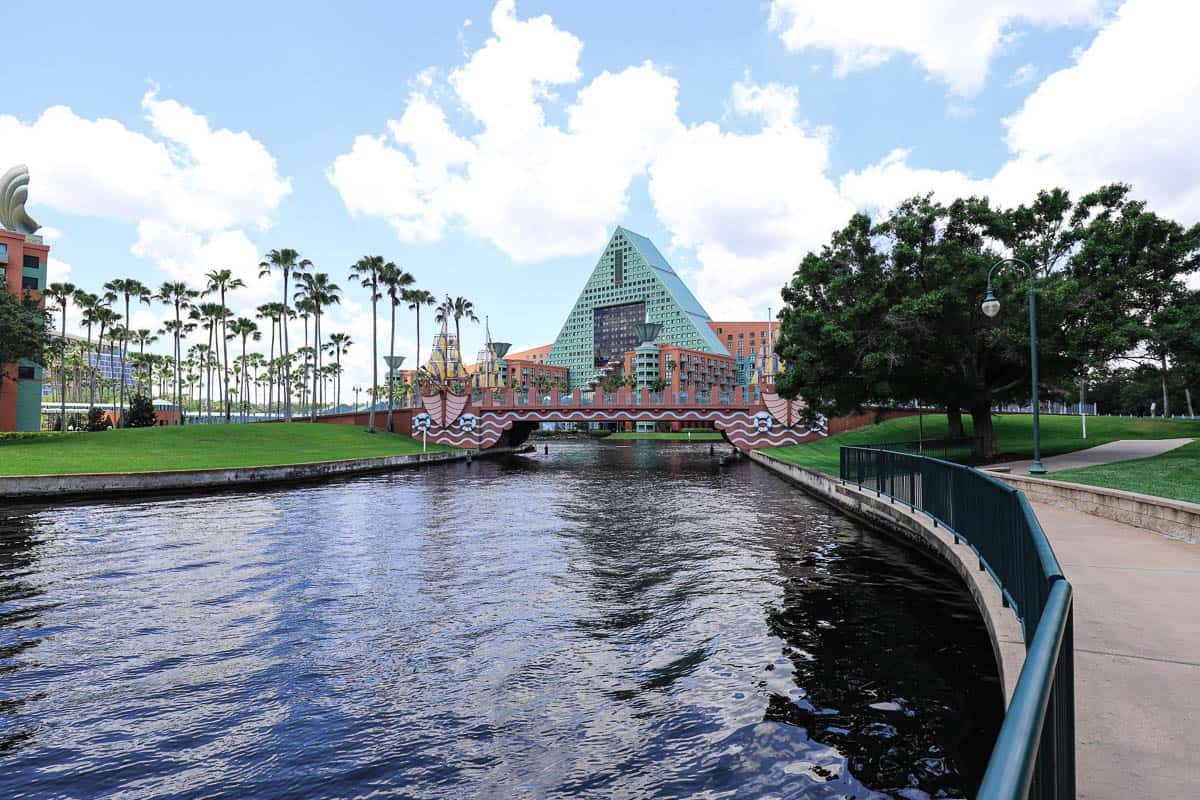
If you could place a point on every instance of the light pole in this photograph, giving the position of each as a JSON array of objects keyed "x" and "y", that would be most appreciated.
[
  {"x": 357, "y": 389},
  {"x": 393, "y": 364},
  {"x": 991, "y": 307}
]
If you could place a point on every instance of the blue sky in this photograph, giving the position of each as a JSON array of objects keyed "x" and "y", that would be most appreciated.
[{"x": 490, "y": 147}]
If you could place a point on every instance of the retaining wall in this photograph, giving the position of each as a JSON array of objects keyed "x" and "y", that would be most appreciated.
[
  {"x": 33, "y": 487},
  {"x": 1004, "y": 630},
  {"x": 1173, "y": 518}
]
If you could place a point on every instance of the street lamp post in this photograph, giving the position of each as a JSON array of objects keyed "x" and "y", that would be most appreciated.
[
  {"x": 357, "y": 389},
  {"x": 393, "y": 364},
  {"x": 991, "y": 307}
]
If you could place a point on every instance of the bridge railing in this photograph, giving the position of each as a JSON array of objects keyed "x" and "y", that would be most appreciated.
[{"x": 1034, "y": 754}]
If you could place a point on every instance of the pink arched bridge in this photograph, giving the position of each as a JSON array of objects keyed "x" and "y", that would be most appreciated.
[{"x": 508, "y": 416}]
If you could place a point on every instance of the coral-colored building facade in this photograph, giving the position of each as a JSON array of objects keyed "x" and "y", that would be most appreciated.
[{"x": 24, "y": 261}]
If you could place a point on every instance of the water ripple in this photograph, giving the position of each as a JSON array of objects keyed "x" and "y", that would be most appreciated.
[{"x": 636, "y": 622}]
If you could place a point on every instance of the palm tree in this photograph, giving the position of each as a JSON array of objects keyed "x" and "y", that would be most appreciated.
[
  {"x": 273, "y": 313},
  {"x": 129, "y": 288},
  {"x": 339, "y": 345},
  {"x": 61, "y": 293},
  {"x": 222, "y": 281},
  {"x": 417, "y": 298},
  {"x": 366, "y": 270},
  {"x": 286, "y": 261},
  {"x": 210, "y": 315},
  {"x": 246, "y": 329},
  {"x": 178, "y": 295},
  {"x": 396, "y": 281},
  {"x": 104, "y": 317},
  {"x": 143, "y": 337},
  {"x": 462, "y": 308},
  {"x": 321, "y": 292}
]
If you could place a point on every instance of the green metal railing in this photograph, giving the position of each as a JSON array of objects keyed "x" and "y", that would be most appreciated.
[{"x": 1034, "y": 754}]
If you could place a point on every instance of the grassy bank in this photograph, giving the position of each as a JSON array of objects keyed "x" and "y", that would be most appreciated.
[
  {"x": 1014, "y": 435},
  {"x": 680, "y": 436},
  {"x": 196, "y": 447},
  {"x": 1174, "y": 474}
]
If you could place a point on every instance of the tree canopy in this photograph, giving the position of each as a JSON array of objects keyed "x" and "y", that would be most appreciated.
[
  {"x": 24, "y": 331},
  {"x": 890, "y": 309}
]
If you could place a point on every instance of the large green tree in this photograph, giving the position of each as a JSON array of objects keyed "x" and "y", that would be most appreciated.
[{"x": 890, "y": 311}]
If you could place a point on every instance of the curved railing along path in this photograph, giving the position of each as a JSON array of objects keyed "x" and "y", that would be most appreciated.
[{"x": 1034, "y": 754}]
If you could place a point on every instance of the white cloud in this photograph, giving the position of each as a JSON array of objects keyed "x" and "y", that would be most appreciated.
[
  {"x": 535, "y": 189},
  {"x": 186, "y": 256},
  {"x": 57, "y": 271},
  {"x": 1024, "y": 74},
  {"x": 185, "y": 174},
  {"x": 190, "y": 190},
  {"x": 776, "y": 103},
  {"x": 953, "y": 41},
  {"x": 749, "y": 204},
  {"x": 1126, "y": 111}
]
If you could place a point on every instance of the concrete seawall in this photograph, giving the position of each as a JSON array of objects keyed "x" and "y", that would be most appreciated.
[
  {"x": 1004, "y": 630},
  {"x": 34, "y": 487},
  {"x": 1174, "y": 518}
]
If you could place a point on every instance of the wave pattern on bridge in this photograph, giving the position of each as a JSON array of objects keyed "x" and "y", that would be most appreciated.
[{"x": 771, "y": 421}]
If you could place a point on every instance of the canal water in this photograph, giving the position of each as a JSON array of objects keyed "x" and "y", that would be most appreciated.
[{"x": 632, "y": 620}]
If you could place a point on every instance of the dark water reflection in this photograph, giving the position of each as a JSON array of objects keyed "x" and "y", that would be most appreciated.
[{"x": 610, "y": 621}]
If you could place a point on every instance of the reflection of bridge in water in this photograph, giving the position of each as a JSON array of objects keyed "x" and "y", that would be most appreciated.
[{"x": 748, "y": 419}]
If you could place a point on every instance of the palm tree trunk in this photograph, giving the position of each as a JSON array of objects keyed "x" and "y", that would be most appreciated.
[
  {"x": 124, "y": 348},
  {"x": 391, "y": 376},
  {"x": 271, "y": 383},
  {"x": 374, "y": 357},
  {"x": 287, "y": 364},
  {"x": 225, "y": 357},
  {"x": 316, "y": 360},
  {"x": 63, "y": 412},
  {"x": 91, "y": 376}
]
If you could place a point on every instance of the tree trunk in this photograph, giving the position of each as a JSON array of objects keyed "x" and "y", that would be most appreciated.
[
  {"x": 984, "y": 447},
  {"x": 287, "y": 364},
  {"x": 63, "y": 412},
  {"x": 1166, "y": 409},
  {"x": 374, "y": 357},
  {"x": 225, "y": 354},
  {"x": 124, "y": 350},
  {"x": 391, "y": 377},
  {"x": 954, "y": 422},
  {"x": 1187, "y": 395}
]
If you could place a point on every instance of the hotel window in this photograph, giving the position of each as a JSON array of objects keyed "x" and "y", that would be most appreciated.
[
  {"x": 31, "y": 262},
  {"x": 25, "y": 373},
  {"x": 28, "y": 282},
  {"x": 618, "y": 267},
  {"x": 3, "y": 253}
]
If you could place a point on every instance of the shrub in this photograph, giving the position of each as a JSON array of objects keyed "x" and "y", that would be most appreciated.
[
  {"x": 95, "y": 419},
  {"x": 140, "y": 413},
  {"x": 600, "y": 434}
]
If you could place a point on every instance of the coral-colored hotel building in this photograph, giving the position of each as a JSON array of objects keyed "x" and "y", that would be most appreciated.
[{"x": 23, "y": 260}]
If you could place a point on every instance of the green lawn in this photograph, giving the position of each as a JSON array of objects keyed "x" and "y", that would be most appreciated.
[
  {"x": 196, "y": 447},
  {"x": 696, "y": 436},
  {"x": 1014, "y": 435},
  {"x": 1174, "y": 474}
]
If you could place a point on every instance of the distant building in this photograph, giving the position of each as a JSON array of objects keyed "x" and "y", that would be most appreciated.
[
  {"x": 107, "y": 364},
  {"x": 749, "y": 344},
  {"x": 534, "y": 355},
  {"x": 630, "y": 284},
  {"x": 633, "y": 283},
  {"x": 23, "y": 260}
]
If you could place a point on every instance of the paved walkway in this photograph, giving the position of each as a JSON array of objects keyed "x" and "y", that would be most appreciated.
[
  {"x": 1137, "y": 655},
  {"x": 1123, "y": 450}
]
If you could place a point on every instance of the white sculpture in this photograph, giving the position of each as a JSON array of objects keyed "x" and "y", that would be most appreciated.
[{"x": 14, "y": 191}]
